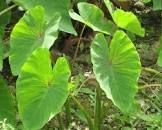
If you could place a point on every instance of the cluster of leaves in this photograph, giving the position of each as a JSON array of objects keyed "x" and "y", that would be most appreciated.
[{"x": 42, "y": 88}]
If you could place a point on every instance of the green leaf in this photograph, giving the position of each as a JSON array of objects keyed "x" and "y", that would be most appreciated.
[
  {"x": 146, "y": 1},
  {"x": 159, "y": 61},
  {"x": 31, "y": 32},
  {"x": 151, "y": 118},
  {"x": 160, "y": 58},
  {"x": 51, "y": 7},
  {"x": 41, "y": 90},
  {"x": 93, "y": 17},
  {"x": 109, "y": 7},
  {"x": 3, "y": 21},
  {"x": 157, "y": 4},
  {"x": 117, "y": 68},
  {"x": 1, "y": 54},
  {"x": 128, "y": 21},
  {"x": 7, "y": 108},
  {"x": 3, "y": 18}
]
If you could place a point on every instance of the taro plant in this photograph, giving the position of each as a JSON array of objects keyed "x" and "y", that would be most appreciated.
[
  {"x": 42, "y": 88},
  {"x": 115, "y": 54}
]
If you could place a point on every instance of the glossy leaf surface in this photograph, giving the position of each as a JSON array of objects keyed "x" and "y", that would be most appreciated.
[
  {"x": 7, "y": 108},
  {"x": 51, "y": 7},
  {"x": 93, "y": 17},
  {"x": 31, "y": 32},
  {"x": 117, "y": 68},
  {"x": 41, "y": 90}
]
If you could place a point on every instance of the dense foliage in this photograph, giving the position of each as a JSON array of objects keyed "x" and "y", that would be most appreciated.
[{"x": 44, "y": 87}]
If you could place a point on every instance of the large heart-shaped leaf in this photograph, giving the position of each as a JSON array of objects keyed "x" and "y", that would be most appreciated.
[
  {"x": 51, "y": 7},
  {"x": 117, "y": 68},
  {"x": 41, "y": 90},
  {"x": 128, "y": 21},
  {"x": 7, "y": 108},
  {"x": 31, "y": 32},
  {"x": 93, "y": 17}
]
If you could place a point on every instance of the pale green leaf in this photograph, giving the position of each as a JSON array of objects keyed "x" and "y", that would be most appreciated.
[
  {"x": 128, "y": 21},
  {"x": 31, "y": 32},
  {"x": 93, "y": 17},
  {"x": 41, "y": 90},
  {"x": 117, "y": 68},
  {"x": 51, "y": 7},
  {"x": 146, "y": 1},
  {"x": 109, "y": 6}
]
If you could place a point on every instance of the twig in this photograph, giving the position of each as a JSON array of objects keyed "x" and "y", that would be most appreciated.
[
  {"x": 152, "y": 71},
  {"x": 78, "y": 44},
  {"x": 150, "y": 85},
  {"x": 7, "y": 9}
]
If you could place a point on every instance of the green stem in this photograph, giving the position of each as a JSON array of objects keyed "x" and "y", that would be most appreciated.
[
  {"x": 97, "y": 116},
  {"x": 7, "y": 9},
  {"x": 68, "y": 113},
  {"x": 86, "y": 114},
  {"x": 60, "y": 122}
]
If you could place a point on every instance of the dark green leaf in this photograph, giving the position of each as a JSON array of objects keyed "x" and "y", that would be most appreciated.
[
  {"x": 3, "y": 21},
  {"x": 7, "y": 108}
]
